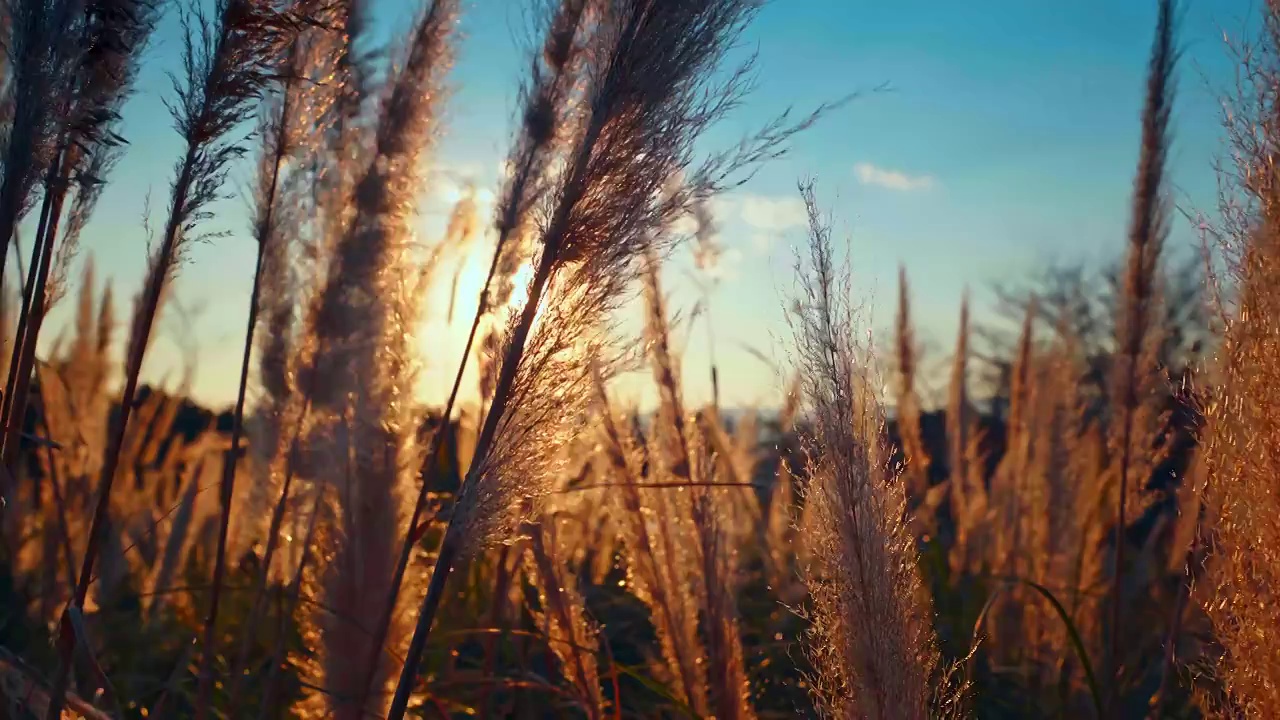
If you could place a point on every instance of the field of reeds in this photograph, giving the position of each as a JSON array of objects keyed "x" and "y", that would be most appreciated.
[{"x": 1089, "y": 526}]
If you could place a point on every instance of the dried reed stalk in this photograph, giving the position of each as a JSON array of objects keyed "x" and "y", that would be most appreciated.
[
  {"x": 562, "y": 613},
  {"x": 1138, "y": 306},
  {"x": 307, "y": 221},
  {"x": 227, "y": 63},
  {"x": 291, "y": 133},
  {"x": 654, "y": 551},
  {"x": 729, "y": 694},
  {"x": 958, "y": 413},
  {"x": 673, "y": 565},
  {"x": 969, "y": 502},
  {"x": 277, "y": 147}
]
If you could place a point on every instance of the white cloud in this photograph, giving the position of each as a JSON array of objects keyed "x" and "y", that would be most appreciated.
[
  {"x": 869, "y": 174},
  {"x": 767, "y": 214}
]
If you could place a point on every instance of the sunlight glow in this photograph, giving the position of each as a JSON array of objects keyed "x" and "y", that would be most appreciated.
[{"x": 520, "y": 282}]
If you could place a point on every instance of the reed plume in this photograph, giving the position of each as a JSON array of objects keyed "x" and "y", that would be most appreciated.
[
  {"x": 969, "y": 502},
  {"x": 116, "y": 34},
  {"x": 1009, "y": 485},
  {"x": 870, "y": 641},
  {"x": 110, "y": 36},
  {"x": 40, "y": 55},
  {"x": 916, "y": 459},
  {"x": 672, "y": 434},
  {"x": 364, "y": 370}
]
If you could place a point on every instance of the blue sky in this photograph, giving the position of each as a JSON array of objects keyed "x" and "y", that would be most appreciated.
[{"x": 1007, "y": 139}]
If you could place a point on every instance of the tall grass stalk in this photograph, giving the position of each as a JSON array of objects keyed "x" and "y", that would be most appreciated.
[
  {"x": 916, "y": 459},
  {"x": 728, "y": 690},
  {"x": 313, "y": 77},
  {"x": 571, "y": 634},
  {"x": 654, "y": 551},
  {"x": 305, "y": 224},
  {"x": 870, "y": 639},
  {"x": 226, "y": 64},
  {"x": 668, "y": 581},
  {"x": 271, "y": 685},
  {"x": 25, "y": 314},
  {"x": 41, "y": 54},
  {"x": 1147, "y": 230},
  {"x": 968, "y": 492},
  {"x": 276, "y": 149}
]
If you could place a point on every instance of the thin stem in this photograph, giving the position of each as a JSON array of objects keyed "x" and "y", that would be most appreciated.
[
  {"x": 60, "y": 506},
  {"x": 426, "y": 613},
  {"x": 501, "y": 587},
  {"x": 450, "y": 548},
  {"x": 150, "y": 302},
  {"x": 273, "y": 542},
  {"x": 295, "y": 594},
  {"x": 1146, "y": 235},
  {"x": 264, "y": 235},
  {"x": 438, "y": 437},
  {"x": 37, "y": 309},
  {"x": 711, "y": 348},
  {"x": 6, "y": 403},
  {"x": 557, "y": 605},
  {"x": 1113, "y": 653},
  {"x": 1161, "y": 698},
  {"x": 205, "y": 689}
]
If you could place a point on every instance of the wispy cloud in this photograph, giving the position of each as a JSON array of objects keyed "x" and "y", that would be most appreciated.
[
  {"x": 869, "y": 174},
  {"x": 766, "y": 216}
]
